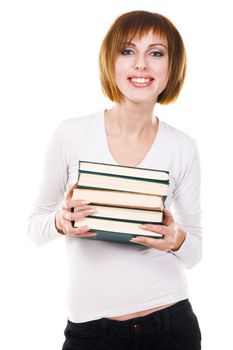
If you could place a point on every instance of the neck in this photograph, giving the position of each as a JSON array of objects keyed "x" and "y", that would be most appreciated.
[{"x": 131, "y": 121}]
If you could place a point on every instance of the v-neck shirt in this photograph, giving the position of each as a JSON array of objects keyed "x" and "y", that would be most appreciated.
[
  {"x": 111, "y": 279},
  {"x": 147, "y": 154}
]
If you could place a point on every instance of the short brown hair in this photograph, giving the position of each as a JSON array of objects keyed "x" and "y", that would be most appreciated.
[{"x": 136, "y": 24}]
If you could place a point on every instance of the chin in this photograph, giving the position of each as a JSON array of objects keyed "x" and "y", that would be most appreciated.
[{"x": 140, "y": 100}]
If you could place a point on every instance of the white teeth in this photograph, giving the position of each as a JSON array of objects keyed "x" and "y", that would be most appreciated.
[{"x": 140, "y": 80}]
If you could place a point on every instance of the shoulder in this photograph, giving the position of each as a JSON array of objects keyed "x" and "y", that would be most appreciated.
[
  {"x": 176, "y": 138},
  {"x": 75, "y": 123},
  {"x": 77, "y": 126}
]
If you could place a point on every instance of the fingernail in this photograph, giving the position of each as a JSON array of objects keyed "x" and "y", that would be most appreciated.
[
  {"x": 91, "y": 211},
  {"x": 85, "y": 202},
  {"x": 91, "y": 234},
  {"x": 134, "y": 240},
  {"x": 86, "y": 235}
]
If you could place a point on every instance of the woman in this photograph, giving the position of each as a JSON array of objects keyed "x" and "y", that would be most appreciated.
[{"x": 128, "y": 296}]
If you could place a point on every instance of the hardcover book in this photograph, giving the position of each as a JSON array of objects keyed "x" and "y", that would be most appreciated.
[
  {"x": 110, "y": 230},
  {"x": 104, "y": 168},
  {"x": 131, "y": 179},
  {"x": 124, "y": 214},
  {"x": 119, "y": 198}
]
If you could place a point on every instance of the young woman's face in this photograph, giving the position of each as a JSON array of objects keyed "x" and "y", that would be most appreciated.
[{"x": 141, "y": 69}]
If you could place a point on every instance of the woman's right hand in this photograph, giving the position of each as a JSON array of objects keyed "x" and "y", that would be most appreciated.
[{"x": 65, "y": 216}]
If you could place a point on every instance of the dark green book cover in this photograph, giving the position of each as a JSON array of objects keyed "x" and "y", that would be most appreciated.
[{"x": 116, "y": 237}]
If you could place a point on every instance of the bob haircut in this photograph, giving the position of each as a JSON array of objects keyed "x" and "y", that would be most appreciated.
[{"x": 136, "y": 24}]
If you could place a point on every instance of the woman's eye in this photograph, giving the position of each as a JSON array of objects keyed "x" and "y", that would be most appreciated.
[
  {"x": 127, "y": 52},
  {"x": 156, "y": 53}
]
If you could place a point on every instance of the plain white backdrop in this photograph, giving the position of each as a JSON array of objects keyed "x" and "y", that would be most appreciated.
[{"x": 49, "y": 72}]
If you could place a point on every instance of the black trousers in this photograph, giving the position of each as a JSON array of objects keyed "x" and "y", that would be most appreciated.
[{"x": 173, "y": 328}]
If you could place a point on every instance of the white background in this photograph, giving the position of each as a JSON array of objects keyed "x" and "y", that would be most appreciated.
[{"x": 49, "y": 72}]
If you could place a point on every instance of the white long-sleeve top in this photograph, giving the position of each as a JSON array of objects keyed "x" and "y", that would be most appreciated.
[{"x": 112, "y": 279}]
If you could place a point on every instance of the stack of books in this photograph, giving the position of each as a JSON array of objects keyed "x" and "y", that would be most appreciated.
[{"x": 123, "y": 198}]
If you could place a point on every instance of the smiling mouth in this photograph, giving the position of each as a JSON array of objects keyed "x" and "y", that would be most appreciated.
[{"x": 140, "y": 81}]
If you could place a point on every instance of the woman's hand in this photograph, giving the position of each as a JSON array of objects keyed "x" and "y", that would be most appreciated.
[
  {"x": 65, "y": 216},
  {"x": 174, "y": 234}
]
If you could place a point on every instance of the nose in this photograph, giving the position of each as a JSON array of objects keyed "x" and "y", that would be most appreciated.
[{"x": 140, "y": 63}]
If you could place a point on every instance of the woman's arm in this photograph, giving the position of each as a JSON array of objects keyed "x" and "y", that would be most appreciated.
[
  {"x": 183, "y": 231},
  {"x": 41, "y": 227},
  {"x": 187, "y": 209}
]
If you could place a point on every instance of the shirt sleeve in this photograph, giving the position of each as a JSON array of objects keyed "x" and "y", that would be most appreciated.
[
  {"x": 41, "y": 226},
  {"x": 187, "y": 210}
]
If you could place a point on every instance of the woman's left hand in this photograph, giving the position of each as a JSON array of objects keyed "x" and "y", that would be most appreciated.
[{"x": 174, "y": 234}]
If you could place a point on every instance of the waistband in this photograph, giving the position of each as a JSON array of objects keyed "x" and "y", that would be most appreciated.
[
  {"x": 170, "y": 310},
  {"x": 159, "y": 320}
]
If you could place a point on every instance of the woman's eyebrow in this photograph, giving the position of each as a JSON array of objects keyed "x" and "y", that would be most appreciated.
[
  {"x": 158, "y": 44},
  {"x": 151, "y": 45},
  {"x": 128, "y": 43}
]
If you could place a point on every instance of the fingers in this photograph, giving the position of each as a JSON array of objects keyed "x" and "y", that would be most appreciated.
[
  {"x": 164, "y": 244},
  {"x": 70, "y": 192},
  {"x": 168, "y": 217},
  {"x": 77, "y": 214},
  {"x": 83, "y": 231},
  {"x": 68, "y": 217},
  {"x": 163, "y": 230},
  {"x": 71, "y": 203},
  {"x": 169, "y": 235},
  {"x": 73, "y": 210}
]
